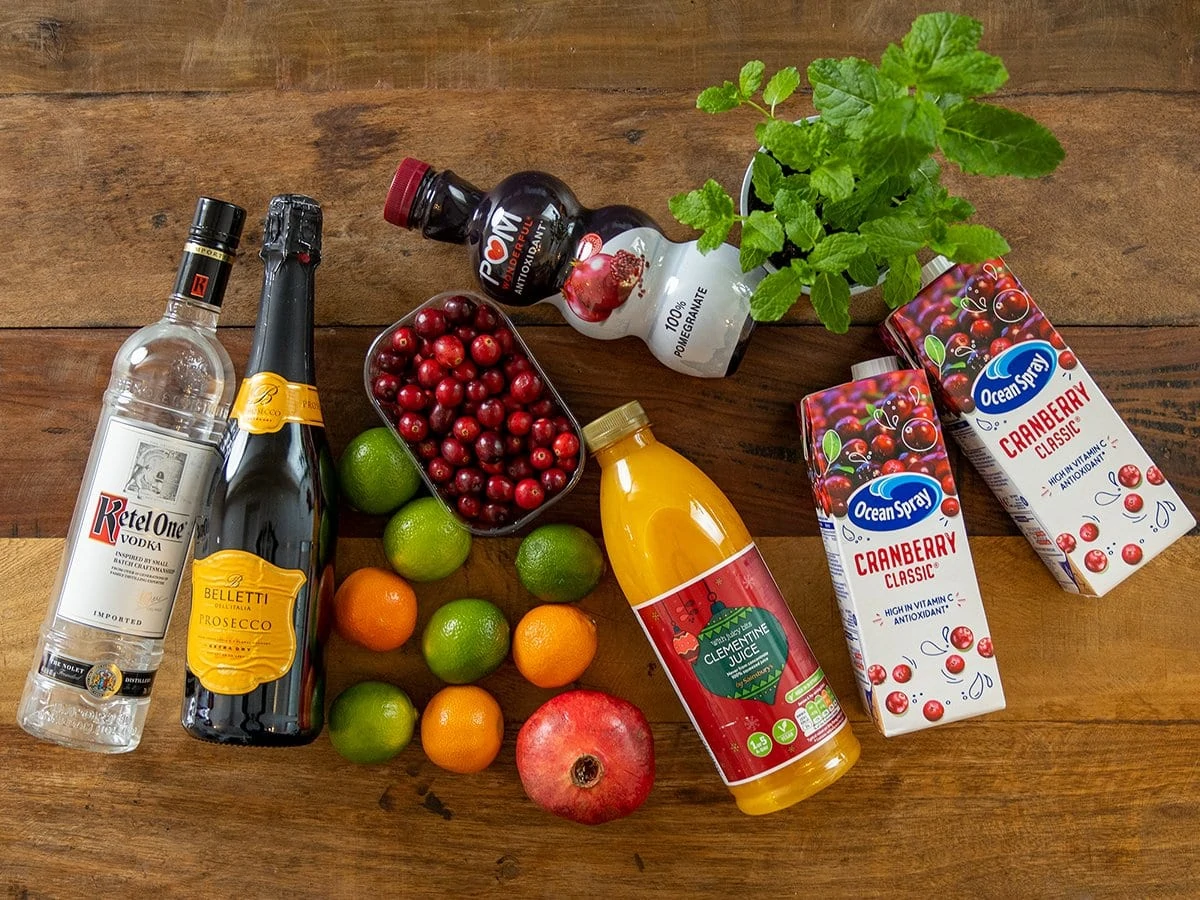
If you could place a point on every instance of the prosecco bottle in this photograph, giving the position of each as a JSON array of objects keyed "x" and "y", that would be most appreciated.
[{"x": 263, "y": 571}]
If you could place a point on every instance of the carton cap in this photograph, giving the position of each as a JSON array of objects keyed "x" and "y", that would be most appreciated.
[
  {"x": 872, "y": 367},
  {"x": 934, "y": 268}
]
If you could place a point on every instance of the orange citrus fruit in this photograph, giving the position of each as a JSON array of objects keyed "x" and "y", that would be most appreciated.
[
  {"x": 553, "y": 644},
  {"x": 375, "y": 608},
  {"x": 462, "y": 729}
]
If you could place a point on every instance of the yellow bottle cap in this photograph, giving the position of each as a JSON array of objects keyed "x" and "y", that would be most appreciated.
[{"x": 614, "y": 425}]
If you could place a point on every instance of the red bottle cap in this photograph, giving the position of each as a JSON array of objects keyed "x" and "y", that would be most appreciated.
[{"x": 403, "y": 191}]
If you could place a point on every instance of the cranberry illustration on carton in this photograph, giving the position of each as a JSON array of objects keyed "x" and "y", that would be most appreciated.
[
  {"x": 890, "y": 518},
  {"x": 1033, "y": 422}
]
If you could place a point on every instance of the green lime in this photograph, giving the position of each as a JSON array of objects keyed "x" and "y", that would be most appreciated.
[
  {"x": 465, "y": 640},
  {"x": 559, "y": 563},
  {"x": 424, "y": 541},
  {"x": 370, "y": 722},
  {"x": 376, "y": 475}
]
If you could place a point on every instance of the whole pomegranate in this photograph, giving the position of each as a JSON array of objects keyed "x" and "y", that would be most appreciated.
[{"x": 586, "y": 756}]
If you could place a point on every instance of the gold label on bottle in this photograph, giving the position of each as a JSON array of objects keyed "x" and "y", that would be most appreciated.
[
  {"x": 240, "y": 633},
  {"x": 265, "y": 402}
]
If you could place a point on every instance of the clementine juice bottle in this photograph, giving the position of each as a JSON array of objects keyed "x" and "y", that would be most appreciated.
[{"x": 717, "y": 621}]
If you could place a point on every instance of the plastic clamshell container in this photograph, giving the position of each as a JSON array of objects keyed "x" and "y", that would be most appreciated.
[{"x": 371, "y": 370}]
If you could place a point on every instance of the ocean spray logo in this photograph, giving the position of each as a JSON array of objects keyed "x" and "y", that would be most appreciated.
[
  {"x": 1014, "y": 377},
  {"x": 893, "y": 502}
]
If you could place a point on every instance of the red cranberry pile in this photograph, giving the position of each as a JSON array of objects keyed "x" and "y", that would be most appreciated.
[
  {"x": 880, "y": 426},
  {"x": 476, "y": 411},
  {"x": 970, "y": 322}
]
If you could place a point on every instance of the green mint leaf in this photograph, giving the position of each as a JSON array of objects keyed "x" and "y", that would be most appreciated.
[
  {"x": 836, "y": 251},
  {"x": 704, "y": 207},
  {"x": 972, "y": 244},
  {"x": 750, "y": 79},
  {"x": 831, "y": 299},
  {"x": 897, "y": 235},
  {"x": 831, "y": 445},
  {"x": 789, "y": 142},
  {"x": 800, "y": 220},
  {"x": 862, "y": 270},
  {"x": 775, "y": 295},
  {"x": 713, "y": 237},
  {"x": 895, "y": 66},
  {"x": 903, "y": 280},
  {"x": 719, "y": 99},
  {"x": 898, "y": 134},
  {"x": 781, "y": 86},
  {"x": 872, "y": 197},
  {"x": 955, "y": 209},
  {"x": 762, "y": 235},
  {"x": 935, "y": 350},
  {"x": 936, "y": 37},
  {"x": 767, "y": 176},
  {"x": 847, "y": 90},
  {"x": 833, "y": 179},
  {"x": 801, "y": 185},
  {"x": 991, "y": 140},
  {"x": 969, "y": 75}
]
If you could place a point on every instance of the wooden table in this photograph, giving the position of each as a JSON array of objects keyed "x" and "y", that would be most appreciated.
[{"x": 115, "y": 116}]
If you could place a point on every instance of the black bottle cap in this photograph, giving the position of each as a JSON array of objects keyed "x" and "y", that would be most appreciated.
[
  {"x": 218, "y": 222},
  {"x": 293, "y": 225}
]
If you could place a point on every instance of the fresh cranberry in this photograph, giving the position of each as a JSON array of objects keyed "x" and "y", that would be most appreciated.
[
  {"x": 955, "y": 663},
  {"x": 519, "y": 470},
  {"x": 569, "y": 464},
  {"x": 563, "y": 424},
  {"x": 1096, "y": 560},
  {"x": 513, "y": 444},
  {"x": 469, "y": 480},
  {"x": 1132, "y": 554},
  {"x": 448, "y": 392},
  {"x": 411, "y": 398},
  {"x": 404, "y": 341},
  {"x": 543, "y": 409},
  {"x": 933, "y": 710},
  {"x": 430, "y": 323},
  {"x": 1129, "y": 475},
  {"x": 519, "y": 423},
  {"x": 499, "y": 488},
  {"x": 455, "y": 452},
  {"x": 448, "y": 350},
  {"x": 428, "y": 449},
  {"x": 466, "y": 429},
  {"x": 490, "y": 413},
  {"x": 466, "y": 334},
  {"x": 493, "y": 381},
  {"x": 458, "y": 309},
  {"x": 526, "y": 387},
  {"x": 897, "y": 703},
  {"x": 430, "y": 372},
  {"x": 962, "y": 637},
  {"x": 476, "y": 391},
  {"x": 891, "y": 467},
  {"x": 439, "y": 470},
  {"x": 554, "y": 480},
  {"x": 985, "y": 647},
  {"x": 950, "y": 507},
  {"x": 465, "y": 372},
  {"x": 566, "y": 444},
  {"x": 1089, "y": 531},
  {"x": 495, "y": 514},
  {"x": 515, "y": 365},
  {"x": 391, "y": 361},
  {"x": 496, "y": 467},
  {"x": 489, "y": 447},
  {"x": 1066, "y": 542},
  {"x": 385, "y": 386},
  {"x": 485, "y": 350},
  {"x": 542, "y": 432},
  {"x": 441, "y": 418},
  {"x": 1067, "y": 359},
  {"x": 902, "y": 673},
  {"x": 529, "y": 494},
  {"x": 1133, "y": 502},
  {"x": 486, "y": 318},
  {"x": 413, "y": 427},
  {"x": 1154, "y": 475},
  {"x": 541, "y": 458},
  {"x": 504, "y": 338},
  {"x": 469, "y": 506},
  {"x": 877, "y": 674}
]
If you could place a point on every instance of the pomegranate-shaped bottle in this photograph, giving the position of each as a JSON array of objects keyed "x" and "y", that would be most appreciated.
[{"x": 609, "y": 271}]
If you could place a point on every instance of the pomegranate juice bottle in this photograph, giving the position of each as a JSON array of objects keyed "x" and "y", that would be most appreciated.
[
  {"x": 1033, "y": 422},
  {"x": 609, "y": 271},
  {"x": 890, "y": 519}
]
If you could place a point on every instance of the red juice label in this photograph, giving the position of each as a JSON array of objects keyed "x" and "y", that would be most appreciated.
[
  {"x": 742, "y": 669},
  {"x": 1030, "y": 418},
  {"x": 894, "y": 538}
]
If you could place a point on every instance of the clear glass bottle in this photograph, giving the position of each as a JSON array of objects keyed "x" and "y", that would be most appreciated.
[{"x": 164, "y": 414}]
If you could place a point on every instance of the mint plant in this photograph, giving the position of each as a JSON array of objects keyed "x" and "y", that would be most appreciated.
[{"x": 857, "y": 190}]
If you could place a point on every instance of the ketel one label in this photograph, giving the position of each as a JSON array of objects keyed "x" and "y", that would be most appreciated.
[
  {"x": 134, "y": 530},
  {"x": 742, "y": 669}
]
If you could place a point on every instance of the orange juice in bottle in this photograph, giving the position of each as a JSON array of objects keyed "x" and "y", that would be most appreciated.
[{"x": 717, "y": 621}]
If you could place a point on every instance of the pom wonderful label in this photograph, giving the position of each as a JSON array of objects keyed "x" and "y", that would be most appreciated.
[{"x": 742, "y": 668}]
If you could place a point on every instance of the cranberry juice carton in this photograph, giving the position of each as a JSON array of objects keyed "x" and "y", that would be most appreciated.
[
  {"x": 1033, "y": 422},
  {"x": 889, "y": 515}
]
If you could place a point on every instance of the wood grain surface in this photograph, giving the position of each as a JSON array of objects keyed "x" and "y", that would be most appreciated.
[{"x": 114, "y": 116}]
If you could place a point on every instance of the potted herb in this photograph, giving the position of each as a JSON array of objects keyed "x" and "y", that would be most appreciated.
[{"x": 854, "y": 192}]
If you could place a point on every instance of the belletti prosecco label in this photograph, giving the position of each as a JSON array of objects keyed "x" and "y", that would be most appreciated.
[{"x": 266, "y": 402}]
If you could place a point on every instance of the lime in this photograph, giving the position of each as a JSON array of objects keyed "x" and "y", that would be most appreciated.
[
  {"x": 559, "y": 563},
  {"x": 424, "y": 542},
  {"x": 465, "y": 640},
  {"x": 370, "y": 722},
  {"x": 376, "y": 475}
]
